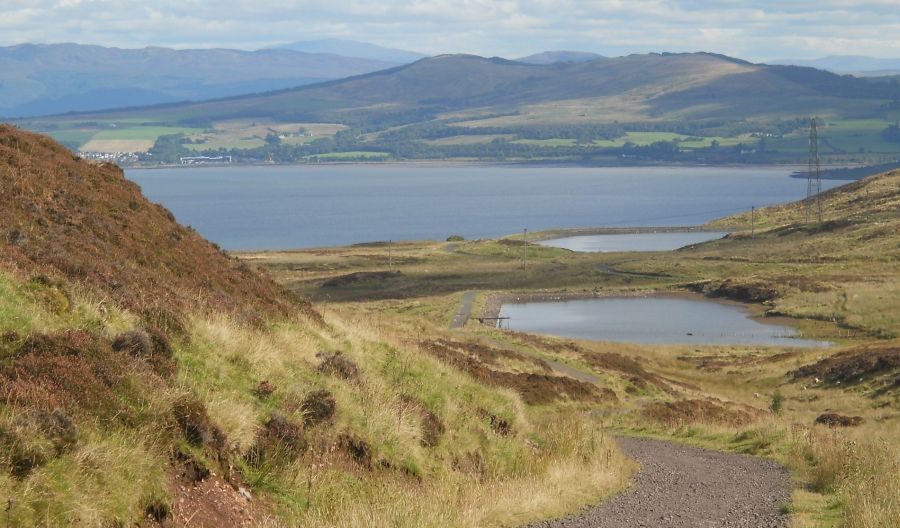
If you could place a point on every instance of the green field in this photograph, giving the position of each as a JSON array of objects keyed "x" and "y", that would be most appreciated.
[
  {"x": 76, "y": 134},
  {"x": 143, "y": 132}
]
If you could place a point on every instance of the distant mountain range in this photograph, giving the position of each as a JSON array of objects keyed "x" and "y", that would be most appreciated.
[
  {"x": 353, "y": 48},
  {"x": 39, "y": 80},
  {"x": 58, "y": 78},
  {"x": 852, "y": 64}
]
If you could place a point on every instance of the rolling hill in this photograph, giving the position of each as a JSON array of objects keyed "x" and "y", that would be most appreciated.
[
  {"x": 657, "y": 86},
  {"x": 59, "y": 78},
  {"x": 699, "y": 99}
]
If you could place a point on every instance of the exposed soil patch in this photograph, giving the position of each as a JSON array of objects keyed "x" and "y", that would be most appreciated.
[
  {"x": 709, "y": 411},
  {"x": 214, "y": 503},
  {"x": 535, "y": 388},
  {"x": 686, "y": 487}
]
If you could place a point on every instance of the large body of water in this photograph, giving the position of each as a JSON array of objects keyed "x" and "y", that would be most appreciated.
[
  {"x": 651, "y": 320},
  {"x": 281, "y": 207}
]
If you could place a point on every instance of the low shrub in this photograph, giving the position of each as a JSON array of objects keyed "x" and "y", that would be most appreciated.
[
  {"x": 317, "y": 407},
  {"x": 337, "y": 364},
  {"x": 195, "y": 424},
  {"x": 279, "y": 439}
]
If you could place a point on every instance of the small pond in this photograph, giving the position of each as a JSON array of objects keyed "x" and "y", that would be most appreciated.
[
  {"x": 651, "y": 320},
  {"x": 632, "y": 241}
]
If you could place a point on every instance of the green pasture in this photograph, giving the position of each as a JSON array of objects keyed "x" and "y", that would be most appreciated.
[{"x": 151, "y": 133}]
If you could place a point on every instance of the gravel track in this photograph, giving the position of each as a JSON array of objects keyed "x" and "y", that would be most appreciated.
[
  {"x": 680, "y": 486},
  {"x": 464, "y": 311}
]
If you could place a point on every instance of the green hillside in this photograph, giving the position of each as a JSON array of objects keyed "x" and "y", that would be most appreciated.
[{"x": 698, "y": 97}]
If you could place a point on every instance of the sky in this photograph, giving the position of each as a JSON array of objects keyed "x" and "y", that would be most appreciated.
[{"x": 754, "y": 30}]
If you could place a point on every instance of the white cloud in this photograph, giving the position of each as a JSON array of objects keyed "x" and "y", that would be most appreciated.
[{"x": 763, "y": 29}]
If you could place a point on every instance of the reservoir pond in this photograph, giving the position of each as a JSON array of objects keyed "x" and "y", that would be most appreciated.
[
  {"x": 651, "y": 320},
  {"x": 632, "y": 241}
]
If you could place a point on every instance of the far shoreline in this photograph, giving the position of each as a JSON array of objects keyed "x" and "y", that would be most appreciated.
[{"x": 792, "y": 167}]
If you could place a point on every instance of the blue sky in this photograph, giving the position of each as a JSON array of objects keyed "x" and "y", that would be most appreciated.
[{"x": 753, "y": 30}]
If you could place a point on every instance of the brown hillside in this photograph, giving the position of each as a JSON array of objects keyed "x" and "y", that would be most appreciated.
[{"x": 63, "y": 217}]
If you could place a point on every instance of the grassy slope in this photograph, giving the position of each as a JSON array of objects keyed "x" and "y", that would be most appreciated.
[
  {"x": 836, "y": 280},
  {"x": 101, "y": 426}
]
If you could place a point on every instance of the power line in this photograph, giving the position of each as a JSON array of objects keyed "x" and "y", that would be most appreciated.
[{"x": 814, "y": 173}]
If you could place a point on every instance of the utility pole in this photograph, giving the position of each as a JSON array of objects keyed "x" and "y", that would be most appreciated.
[
  {"x": 524, "y": 248},
  {"x": 814, "y": 174},
  {"x": 390, "y": 255},
  {"x": 753, "y": 222}
]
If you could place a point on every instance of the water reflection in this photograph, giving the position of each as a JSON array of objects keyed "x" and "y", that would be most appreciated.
[
  {"x": 651, "y": 320},
  {"x": 632, "y": 241}
]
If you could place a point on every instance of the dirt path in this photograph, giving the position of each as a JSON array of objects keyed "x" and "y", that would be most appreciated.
[
  {"x": 680, "y": 486},
  {"x": 464, "y": 311}
]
